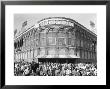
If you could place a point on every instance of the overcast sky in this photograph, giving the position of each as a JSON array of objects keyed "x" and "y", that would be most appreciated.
[{"x": 32, "y": 19}]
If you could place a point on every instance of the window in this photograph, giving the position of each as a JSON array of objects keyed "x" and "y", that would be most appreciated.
[
  {"x": 62, "y": 52},
  {"x": 61, "y": 34},
  {"x": 31, "y": 54},
  {"x": 71, "y": 52},
  {"x": 61, "y": 41},
  {"x": 81, "y": 43},
  {"x": 28, "y": 54},
  {"x": 51, "y": 40},
  {"x": 51, "y": 52},
  {"x": 42, "y": 52},
  {"x": 69, "y": 34},
  {"x": 73, "y": 42},
  {"x": 35, "y": 52},
  {"x": 36, "y": 35},
  {"x": 78, "y": 42},
  {"x": 42, "y": 34},
  {"x": 37, "y": 42},
  {"x": 51, "y": 34},
  {"x": 42, "y": 41},
  {"x": 69, "y": 41}
]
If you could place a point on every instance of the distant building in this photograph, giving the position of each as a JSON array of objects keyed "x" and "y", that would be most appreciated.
[{"x": 56, "y": 37}]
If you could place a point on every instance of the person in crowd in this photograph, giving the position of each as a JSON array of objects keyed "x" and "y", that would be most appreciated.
[{"x": 54, "y": 69}]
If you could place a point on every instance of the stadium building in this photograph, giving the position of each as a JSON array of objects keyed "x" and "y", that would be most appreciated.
[{"x": 55, "y": 38}]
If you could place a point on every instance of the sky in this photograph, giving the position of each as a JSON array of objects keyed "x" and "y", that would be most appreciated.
[{"x": 32, "y": 19}]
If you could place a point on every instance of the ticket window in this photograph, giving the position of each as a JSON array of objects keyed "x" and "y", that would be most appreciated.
[
  {"x": 82, "y": 54},
  {"x": 31, "y": 54},
  {"x": 78, "y": 53},
  {"x": 62, "y": 53},
  {"x": 85, "y": 55},
  {"x": 42, "y": 52},
  {"x": 35, "y": 53},
  {"x": 71, "y": 52},
  {"x": 52, "y": 52},
  {"x": 26, "y": 55}
]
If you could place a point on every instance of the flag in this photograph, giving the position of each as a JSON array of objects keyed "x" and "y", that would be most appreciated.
[
  {"x": 15, "y": 31},
  {"x": 24, "y": 24},
  {"x": 92, "y": 24}
]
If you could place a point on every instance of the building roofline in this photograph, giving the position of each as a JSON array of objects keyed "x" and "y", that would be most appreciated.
[
  {"x": 24, "y": 32},
  {"x": 71, "y": 21},
  {"x": 60, "y": 18}
]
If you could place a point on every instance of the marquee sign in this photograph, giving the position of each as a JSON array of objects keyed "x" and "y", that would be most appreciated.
[{"x": 56, "y": 21}]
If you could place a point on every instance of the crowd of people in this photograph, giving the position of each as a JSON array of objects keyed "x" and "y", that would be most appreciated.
[{"x": 54, "y": 69}]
